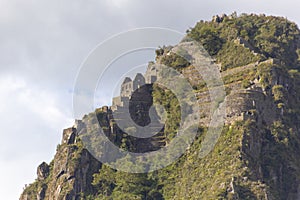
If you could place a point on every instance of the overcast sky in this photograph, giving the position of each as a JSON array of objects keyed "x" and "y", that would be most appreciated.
[{"x": 42, "y": 45}]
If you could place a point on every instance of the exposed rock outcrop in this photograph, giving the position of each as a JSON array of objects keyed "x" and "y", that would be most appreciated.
[
  {"x": 256, "y": 156},
  {"x": 71, "y": 172},
  {"x": 43, "y": 171}
]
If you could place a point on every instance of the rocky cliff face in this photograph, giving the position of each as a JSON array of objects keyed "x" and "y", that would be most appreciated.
[
  {"x": 257, "y": 155},
  {"x": 69, "y": 175}
]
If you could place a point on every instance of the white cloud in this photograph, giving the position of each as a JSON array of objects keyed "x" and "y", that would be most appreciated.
[
  {"x": 16, "y": 92},
  {"x": 31, "y": 124},
  {"x": 13, "y": 176},
  {"x": 119, "y": 3}
]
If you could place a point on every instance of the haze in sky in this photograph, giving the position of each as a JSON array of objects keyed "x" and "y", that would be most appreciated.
[{"x": 43, "y": 44}]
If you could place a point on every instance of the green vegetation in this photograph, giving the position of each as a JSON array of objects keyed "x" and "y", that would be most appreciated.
[
  {"x": 272, "y": 37},
  {"x": 256, "y": 156},
  {"x": 170, "y": 103},
  {"x": 278, "y": 92},
  {"x": 120, "y": 185},
  {"x": 175, "y": 61},
  {"x": 208, "y": 36},
  {"x": 233, "y": 162},
  {"x": 229, "y": 59},
  {"x": 33, "y": 189}
]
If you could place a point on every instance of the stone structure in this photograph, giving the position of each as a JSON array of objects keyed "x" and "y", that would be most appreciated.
[
  {"x": 138, "y": 81},
  {"x": 129, "y": 86},
  {"x": 219, "y": 19},
  {"x": 246, "y": 44},
  {"x": 126, "y": 87},
  {"x": 151, "y": 74}
]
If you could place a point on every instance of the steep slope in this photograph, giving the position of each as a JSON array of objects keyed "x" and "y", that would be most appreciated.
[
  {"x": 68, "y": 176},
  {"x": 257, "y": 155}
]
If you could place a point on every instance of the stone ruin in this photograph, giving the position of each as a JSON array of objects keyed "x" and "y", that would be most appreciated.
[{"x": 129, "y": 86}]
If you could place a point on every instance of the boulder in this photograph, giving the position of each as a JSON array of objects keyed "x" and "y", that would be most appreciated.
[
  {"x": 69, "y": 136},
  {"x": 43, "y": 171}
]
